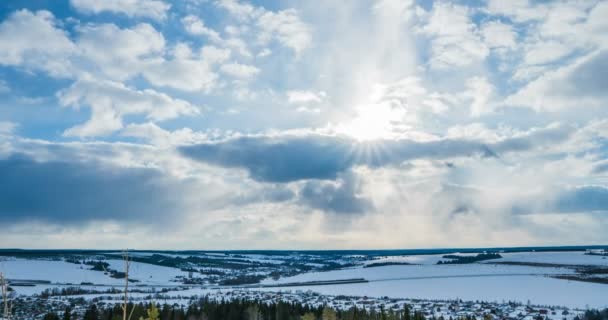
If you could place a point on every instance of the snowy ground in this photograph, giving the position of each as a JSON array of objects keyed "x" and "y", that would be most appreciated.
[
  {"x": 467, "y": 282},
  {"x": 567, "y": 258},
  {"x": 423, "y": 278}
]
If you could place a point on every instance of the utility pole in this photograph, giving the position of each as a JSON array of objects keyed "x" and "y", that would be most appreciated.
[
  {"x": 125, "y": 257},
  {"x": 4, "y": 287}
]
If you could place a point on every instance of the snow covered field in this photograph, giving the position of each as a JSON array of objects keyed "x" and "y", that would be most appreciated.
[
  {"x": 566, "y": 258},
  {"x": 61, "y": 272},
  {"x": 494, "y": 283},
  {"x": 421, "y": 277}
]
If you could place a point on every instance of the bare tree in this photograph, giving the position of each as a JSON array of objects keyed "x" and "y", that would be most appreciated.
[{"x": 127, "y": 262}]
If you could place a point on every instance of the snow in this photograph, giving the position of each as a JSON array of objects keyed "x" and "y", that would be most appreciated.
[
  {"x": 424, "y": 279},
  {"x": 466, "y": 281},
  {"x": 420, "y": 271},
  {"x": 537, "y": 289},
  {"x": 148, "y": 273},
  {"x": 567, "y": 258},
  {"x": 54, "y": 271},
  {"x": 65, "y": 272}
]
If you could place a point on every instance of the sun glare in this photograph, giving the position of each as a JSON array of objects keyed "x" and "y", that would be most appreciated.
[{"x": 372, "y": 122}]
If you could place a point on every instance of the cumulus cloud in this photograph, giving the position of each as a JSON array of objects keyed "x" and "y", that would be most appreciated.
[
  {"x": 579, "y": 85},
  {"x": 7, "y": 127},
  {"x": 304, "y": 97},
  {"x": 455, "y": 38},
  {"x": 299, "y": 157},
  {"x": 454, "y": 117},
  {"x": 239, "y": 71},
  {"x": 154, "y": 9},
  {"x": 73, "y": 193},
  {"x": 195, "y": 25},
  {"x": 120, "y": 53},
  {"x": 284, "y": 26},
  {"x": 341, "y": 196},
  {"x": 159, "y": 136},
  {"x": 111, "y": 101},
  {"x": 582, "y": 199},
  {"x": 481, "y": 92},
  {"x": 33, "y": 40},
  {"x": 498, "y": 35}
]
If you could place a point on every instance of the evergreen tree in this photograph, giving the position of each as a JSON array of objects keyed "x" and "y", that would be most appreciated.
[
  {"x": 329, "y": 314},
  {"x": 51, "y": 316},
  {"x": 67, "y": 314},
  {"x": 308, "y": 316}
]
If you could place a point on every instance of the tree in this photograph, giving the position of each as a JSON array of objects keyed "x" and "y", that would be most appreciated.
[
  {"x": 153, "y": 313},
  {"x": 51, "y": 316},
  {"x": 253, "y": 313},
  {"x": 308, "y": 316},
  {"x": 329, "y": 314},
  {"x": 92, "y": 313},
  {"x": 67, "y": 314}
]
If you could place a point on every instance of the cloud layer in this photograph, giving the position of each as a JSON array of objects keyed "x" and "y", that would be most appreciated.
[{"x": 236, "y": 124}]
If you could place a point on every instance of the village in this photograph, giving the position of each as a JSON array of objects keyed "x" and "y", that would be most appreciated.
[{"x": 35, "y": 307}]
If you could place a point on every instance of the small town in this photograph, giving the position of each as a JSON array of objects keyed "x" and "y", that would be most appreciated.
[{"x": 36, "y": 307}]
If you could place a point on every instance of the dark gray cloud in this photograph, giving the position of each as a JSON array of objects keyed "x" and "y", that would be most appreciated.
[
  {"x": 583, "y": 199},
  {"x": 600, "y": 168},
  {"x": 279, "y": 159},
  {"x": 339, "y": 197},
  {"x": 291, "y": 158},
  {"x": 568, "y": 200},
  {"x": 74, "y": 192},
  {"x": 589, "y": 78}
]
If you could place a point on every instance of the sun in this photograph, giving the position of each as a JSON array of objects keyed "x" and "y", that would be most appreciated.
[{"x": 372, "y": 122}]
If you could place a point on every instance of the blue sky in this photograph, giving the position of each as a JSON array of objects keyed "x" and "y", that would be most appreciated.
[{"x": 222, "y": 124}]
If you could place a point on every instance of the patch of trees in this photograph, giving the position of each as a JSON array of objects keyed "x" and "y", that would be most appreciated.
[
  {"x": 241, "y": 310},
  {"x": 594, "y": 315},
  {"x": 242, "y": 279},
  {"x": 388, "y": 263},
  {"x": 455, "y": 259}
]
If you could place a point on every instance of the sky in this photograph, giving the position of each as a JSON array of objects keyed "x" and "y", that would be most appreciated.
[{"x": 230, "y": 124}]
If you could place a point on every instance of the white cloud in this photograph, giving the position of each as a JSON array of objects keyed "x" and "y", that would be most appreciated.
[
  {"x": 518, "y": 10},
  {"x": 214, "y": 55},
  {"x": 119, "y": 53},
  {"x": 286, "y": 27},
  {"x": 498, "y": 35},
  {"x": 195, "y": 25},
  {"x": 154, "y": 9},
  {"x": 546, "y": 52},
  {"x": 239, "y": 9},
  {"x": 111, "y": 101},
  {"x": 455, "y": 41},
  {"x": 7, "y": 127},
  {"x": 158, "y": 136},
  {"x": 578, "y": 85},
  {"x": 304, "y": 97},
  {"x": 33, "y": 41},
  {"x": 480, "y": 90},
  {"x": 264, "y": 53},
  {"x": 238, "y": 70},
  {"x": 597, "y": 22},
  {"x": 184, "y": 73}
]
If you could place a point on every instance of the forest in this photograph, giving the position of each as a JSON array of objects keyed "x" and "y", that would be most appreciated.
[{"x": 207, "y": 309}]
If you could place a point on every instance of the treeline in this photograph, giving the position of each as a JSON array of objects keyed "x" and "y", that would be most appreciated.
[
  {"x": 207, "y": 309},
  {"x": 455, "y": 259},
  {"x": 237, "y": 310}
]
